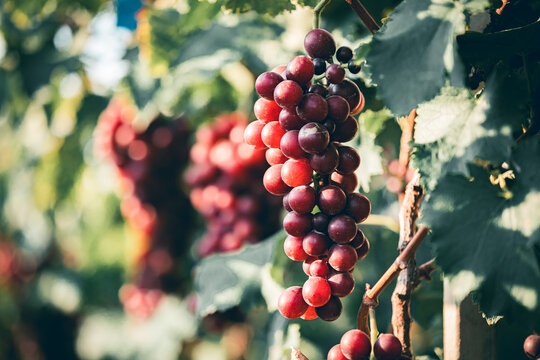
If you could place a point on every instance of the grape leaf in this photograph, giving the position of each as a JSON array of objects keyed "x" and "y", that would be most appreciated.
[
  {"x": 489, "y": 243},
  {"x": 261, "y": 6},
  {"x": 228, "y": 280},
  {"x": 414, "y": 53},
  {"x": 370, "y": 154},
  {"x": 454, "y": 128}
]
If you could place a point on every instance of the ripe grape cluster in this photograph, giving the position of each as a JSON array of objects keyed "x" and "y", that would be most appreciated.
[
  {"x": 225, "y": 187},
  {"x": 304, "y": 115},
  {"x": 149, "y": 163},
  {"x": 356, "y": 345}
]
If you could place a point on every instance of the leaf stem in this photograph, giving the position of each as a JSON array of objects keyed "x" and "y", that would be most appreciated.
[
  {"x": 364, "y": 15},
  {"x": 317, "y": 10}
]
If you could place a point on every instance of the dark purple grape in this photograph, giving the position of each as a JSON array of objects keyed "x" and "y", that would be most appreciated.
[
  {"x": 341, "y": 283},
  {"x": 338, "y": 108},
  {"x": 345, "y": 131},
  {"x": 318, "y": 89},
  {"x": 331, "y": 310},
  {"x": 315, "y": 243},
  {"x": 313, "y": 138},
  {"x": 348, "y": 182},
  {"x": 363, "y": 250},
  {"x": 354, "y": 68},
  {"x": 320, "y": 66},
  {"x": 330, "y": 125},
  {"x": 344, "y": 54},
  {"x": 319, "y": 44},
  {"x": 358, "y": 240},
  {"x": 266, "y": 83},
  {"x": 341, "y": 229},
  {"x": 286, "y": 203},
  {"x": 358, "y": 207},
  {"x": 290, "y": 146},
  {"x": 297, "y": 224},
  {"x": 313, "y": 107},
  {"x": 332, "y": 200},
  {"x": 342, "y": 257},
  {"x": 302, "y": 199},
  {"x": 387, "y": 347},
  {"x": 348, "y": 90},
  {"x": 289, "y": 120},
  {"x": 531, "y": 346},
  {"x": 335, "y": 74},
  {"x": 320, "y": 222},
  {"x": 349, "y": 160},
  {"x": 325, "y": 162}
]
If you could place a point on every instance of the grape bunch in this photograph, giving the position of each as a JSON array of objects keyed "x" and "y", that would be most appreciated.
[
  {"x": 356, "y": 345},
  {"x": 224, "y": 187},
  {"x": 304, "y": 115},
  {"x": 149, "y": 163}
]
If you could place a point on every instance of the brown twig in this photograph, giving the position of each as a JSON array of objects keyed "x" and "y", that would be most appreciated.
[
  {"x": 401, "y": 315},
  {"x": 407, "y": 132},
  {"x": 364, "y": 15},
  {"x": 371, "y": 296},
  {"x": 423, "y": 272},
  {"x": 500, "y": 10},
  {"x": 297, "y": 355}
]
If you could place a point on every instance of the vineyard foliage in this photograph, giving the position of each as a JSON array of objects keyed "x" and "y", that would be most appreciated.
[{"x": 471, "y": 73}]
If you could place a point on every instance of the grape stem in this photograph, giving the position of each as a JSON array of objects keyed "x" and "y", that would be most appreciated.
[
  {"x": 317, "y": 10},
  {"x": 364, "y": 15},
  {"x": 371, "y": 296}
]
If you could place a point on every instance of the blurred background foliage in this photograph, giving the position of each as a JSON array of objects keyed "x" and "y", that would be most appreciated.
[{"x": 66, "y": 250}]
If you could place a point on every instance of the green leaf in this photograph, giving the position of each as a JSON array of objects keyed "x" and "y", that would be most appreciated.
[
  {"x": 261, "y": 6},
  {"x": 489, "y": 243},
  {"x": 370, "y": 154},
  {"x": 228, "y": 280},
  {"x": 454, "y": 128},
  {"x": 414, "y": 53}
]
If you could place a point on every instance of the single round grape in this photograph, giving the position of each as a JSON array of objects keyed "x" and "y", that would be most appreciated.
[
  {"x": 286, "y": 203},
  {"x": 346, "y": 130},
  {"x": 271, "y": 134},
  {"x": 348, "y": 90},
  {"x": 344, "y": 54},
  {"x": 302, "y": 199},
  {"x": 338, "y": 108},
  {"x": 319, "y": 268},
  {"x": 291, "y": 303},
  {"x": 275, "y": 156},
  {"x": 335, "y": 74},
  {"x": 331, "y": 310},
  {"x": 293, "y": 248},
  {"x": 297, "y": 224},
  {"x": 354, "y": 67},
  {"x": 306, "y": 265},
  {"x": 531, "y": 346},
  {"x": 296, "y": 172},
  {"x": 348, "y": 182},
  {"x": 363, "y": 250},
  {"x": 316, "y": 291},
  {"x": 252, "y": 135},
  {"x": 341, "y": 283},
  {"x": 300, "y": 69},
  {"x": 330, "y": 125},
  {"x": 332, "y": 200},
  {"x": 358, "y": 240},
  {"x": 342, "y": 257},
  {"x": 335, "y": 353},
  {"x": 387, "y": 347},
  {"x": 312, "y": 107},
  {"x": 266, "y": 110},
  {"x": 356, "y": 345},
  {"x": 358, "y": 207},
  {"x": 349, "y": 160},
  {"x": 313, "y": 138},
  {"x": 289, "y": 120},
  {"x": 315, "y": 243},
  {"x": 319, "y": 43},
  {"x": 288, "y": 94},
  {"x": 266, "y": 83},
  {"x": 342, "y": 229},
  {"x": 325, "y": 162},
  {"x": 272, "y": 181},
  {"x": 320, "y": 222},
  {"x": 290, "y": 146},
  {"x": 318, "y": 89},
  {"x": 310, "y": 314},
  {"x": 320, "y": 66}
]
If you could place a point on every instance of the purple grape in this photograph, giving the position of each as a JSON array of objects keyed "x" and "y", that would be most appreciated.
[
  {"x": 348, "y": 90},
  {"x": 297, "y": 224},
  {"x": 318, "y": 89},
  {"x": 325, "y": 162},
  {"x": 320, "y": 66},
  {"x": 344, "y": 54},
  {"x": 341, "y": 229},
  {"x": 289, "y": 120},
  {"x": 349, "y": 160},
  {"x": 338, "y": 108},
  {"x": 320, "y": 222},
  {"x": 319, "y": 44},
  {"x": 346, "y": 130},
  {"x": 331, "y": 310},
  {"x": 332, "y": 200},
  {"x": 335, "y": 74},
  {"x": 266, "y": 83},
  {"x": 312, "y": 107},
  {"x": 313, "y": 138}
]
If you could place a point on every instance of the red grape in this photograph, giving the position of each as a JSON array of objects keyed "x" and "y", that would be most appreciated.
[
  {"x": 320, "y": 222},
  {"x": 348, "y": 182},
  {"x": 358, "y": 207},
  {"x": 319, "y": 268},
  {"x": 342, "y": 229},
  {"x": 342, "y": 257},
  {"x": 266, "y": 110},
  {"x": 310, "y": 314},
  {"x": 271, "y": 134},
  {"x": 307, "y": 264},
  {"x": 290, "y": 146},
  {"x": 293, "y": 248},
  {"x": 275, "y": 156},
  {"x": 300, "y": 69},
  {"x": 296, "y": 172},
  {"x": 335, "y": 353},
  {"x": 266, "y": 83},
  {"x": 288, "y": 94},
  {"x": 316, "y": 291},
  {"x": 315, "y": 243},
  {"x": 297, "y": 224},
  {"x": 531, "y": 346},
  {"x": 272, "y": 181},
  {"x": 387, "y": 347},
  {"x": 302, "y": 199},
  {"x": 319, "y": 44},
  {"x": 332, "y": 200},
  {"x": 341, "y": 283},
  {"x": 291, "y": 303},
  {"x": 252, "y": 135},
  {"x": 356, "y": 345}
]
